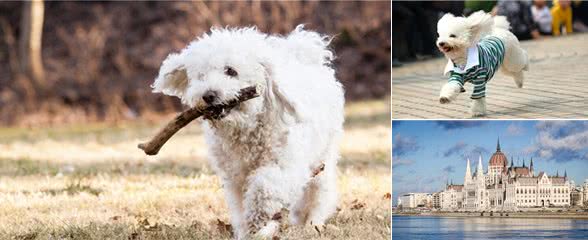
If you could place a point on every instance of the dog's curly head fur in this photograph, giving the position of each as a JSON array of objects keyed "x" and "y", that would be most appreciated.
[
  {"x": 456, "y": 34},
  {"x": 215, "y": 66}
]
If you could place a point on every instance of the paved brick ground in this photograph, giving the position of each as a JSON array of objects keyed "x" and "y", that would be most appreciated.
[{"x": 556, "y": 86}]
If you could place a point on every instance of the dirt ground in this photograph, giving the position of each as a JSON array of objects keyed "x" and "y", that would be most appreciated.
[{"x": 91, "y": 182}]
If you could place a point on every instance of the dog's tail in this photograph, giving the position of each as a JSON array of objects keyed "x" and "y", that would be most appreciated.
[
  {"x": 310, "y": 47},
  {"x": 501, "y": 22}
]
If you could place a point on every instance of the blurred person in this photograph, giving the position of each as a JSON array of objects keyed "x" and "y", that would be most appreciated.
[
  {"x": 413, "y": 30},
  {"x": 402, "y": 16},
  {"x": 580, "y": 16},
  {"x": 520, "y": 17},
  {"x": 471, "y": 6},
  {"x": 562, "y": 17},
  {"x": 542, "y": 16}
]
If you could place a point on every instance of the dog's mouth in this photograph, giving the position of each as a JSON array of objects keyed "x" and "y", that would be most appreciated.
[
  {"x": 445, "y": 49},
  {"x": 217, "y": 113}
]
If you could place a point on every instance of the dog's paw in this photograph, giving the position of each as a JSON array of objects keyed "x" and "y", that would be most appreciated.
[
  {"x": 478, "y": 107},
  {"x": 444, "y": 100},
  {"x": 268, "y": 231},
  {"x": 478, "y": 114},
  {"x": 449, "y": 92}
]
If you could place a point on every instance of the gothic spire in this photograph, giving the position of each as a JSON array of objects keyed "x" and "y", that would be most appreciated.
[
  {"x": 468, "y": 174},
  {"x": 480, "y": 170},
  {"x": 531, "y": 171},
  {"x": 523, "y": 162},
  {"x": 498, "y": 145},
  {"x": 566, "y": 174},
  {"x": 557, "y": 173}
]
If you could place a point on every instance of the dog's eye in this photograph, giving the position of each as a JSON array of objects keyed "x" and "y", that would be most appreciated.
[
  {"x": 452, "y": 36},
  {"x": 229, "y": 71}
]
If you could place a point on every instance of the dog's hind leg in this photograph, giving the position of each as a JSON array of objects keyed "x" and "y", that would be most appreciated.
[
  {"x": 518, "y": 77},
  {"x": 516, "y": 61}
]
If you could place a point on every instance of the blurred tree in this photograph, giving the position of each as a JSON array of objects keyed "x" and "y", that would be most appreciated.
[{"x": 30, "y": 58}]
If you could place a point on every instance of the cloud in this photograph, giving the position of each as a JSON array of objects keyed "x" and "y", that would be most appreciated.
[
  {"x": 451, "y": 125},
  {"x": 449, "y": 169},
  {"x": 515, "y": 129},
  {"x": 464, "y": 151},
  {"x": 560, "y": 141},
  {"x": 401, "y": 162},
  {"x": 403, "y": 145},
  {"x": 458, "y": 148}
]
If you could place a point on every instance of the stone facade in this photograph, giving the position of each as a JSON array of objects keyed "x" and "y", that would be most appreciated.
[{"x": 503, "y": 188}]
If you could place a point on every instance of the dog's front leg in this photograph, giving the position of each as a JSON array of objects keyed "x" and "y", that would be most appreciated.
[
  {"x": 478, "y": 107},
  {"x": 266, "y": 193},
  {"x": 449, "y": 92}
]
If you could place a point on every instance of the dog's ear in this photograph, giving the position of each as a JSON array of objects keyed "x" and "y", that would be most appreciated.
[
  {"x": 310, "y": 46},
  {"x": 173, "y": 77},
  {"x": 480, "y": 23},
  {"x": 447, "y": 17},
  {"x": 276, "y": 100}
]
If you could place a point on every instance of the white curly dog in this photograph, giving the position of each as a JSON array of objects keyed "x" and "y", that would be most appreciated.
[
  {"x": 476, "y": 47},
  {"x": 266, "y": 150}
]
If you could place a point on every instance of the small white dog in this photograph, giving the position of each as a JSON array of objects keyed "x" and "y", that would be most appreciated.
[
  {"x": 476, "y": 47},
  {"x": 266, "y": 150}
]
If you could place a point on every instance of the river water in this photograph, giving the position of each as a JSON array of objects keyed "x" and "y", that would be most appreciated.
[{"x": 453, "y": 228}]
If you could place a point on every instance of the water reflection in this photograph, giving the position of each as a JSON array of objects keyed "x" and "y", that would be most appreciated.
[{"x": 408, "y": 227}]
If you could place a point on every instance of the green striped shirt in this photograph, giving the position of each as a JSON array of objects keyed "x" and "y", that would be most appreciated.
[{"x": 490, "y": 54}]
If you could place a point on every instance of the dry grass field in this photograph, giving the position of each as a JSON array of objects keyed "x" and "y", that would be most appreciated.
[{"x": 91, "y": 182}]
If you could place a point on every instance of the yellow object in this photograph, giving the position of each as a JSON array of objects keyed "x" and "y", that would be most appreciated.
[{"x": 561, "y": 16}]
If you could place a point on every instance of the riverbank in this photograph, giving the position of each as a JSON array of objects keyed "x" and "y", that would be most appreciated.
[{"x": 557, "y": 215}]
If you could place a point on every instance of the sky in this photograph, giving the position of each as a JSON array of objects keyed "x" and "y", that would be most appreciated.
[{"x": 427, "y": 154}]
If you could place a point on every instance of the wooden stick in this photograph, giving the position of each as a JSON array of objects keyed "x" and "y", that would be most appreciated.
[{"x": 181, "y": 120}]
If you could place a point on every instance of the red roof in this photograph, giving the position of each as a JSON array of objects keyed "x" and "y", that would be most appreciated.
[
  {"x": 522, "y": 171},
  {"x": 498, "y": 159}
]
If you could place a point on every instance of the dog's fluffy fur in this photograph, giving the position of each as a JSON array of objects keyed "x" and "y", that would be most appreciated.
[
  {"x": 459, "y": 33},
  {"x": 266, "y": 149}
]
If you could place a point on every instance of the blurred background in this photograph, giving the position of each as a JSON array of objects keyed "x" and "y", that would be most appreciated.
[
  {"x": 415, "y": 23},
  {"x": 65, "y": 62}
]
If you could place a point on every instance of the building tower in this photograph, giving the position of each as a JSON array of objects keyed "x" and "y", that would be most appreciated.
[
  {"x": 497, "y": 165},
  {"x": 531, "y": 168},
  {"x": 480, "y": 170},
  {"x": 468, "y": 174},
  {"x": 480, "y": 186}
]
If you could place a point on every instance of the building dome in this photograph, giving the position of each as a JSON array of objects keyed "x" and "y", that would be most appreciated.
[{"x": 498, "y": 158}]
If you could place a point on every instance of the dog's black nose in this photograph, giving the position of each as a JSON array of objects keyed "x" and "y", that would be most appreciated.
[
  {"x": 209, "y": 97},
  {"x": 441, "y": 44}
]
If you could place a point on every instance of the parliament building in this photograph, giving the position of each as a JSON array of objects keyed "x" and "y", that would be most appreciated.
[{"x": 505, "y": 187}]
